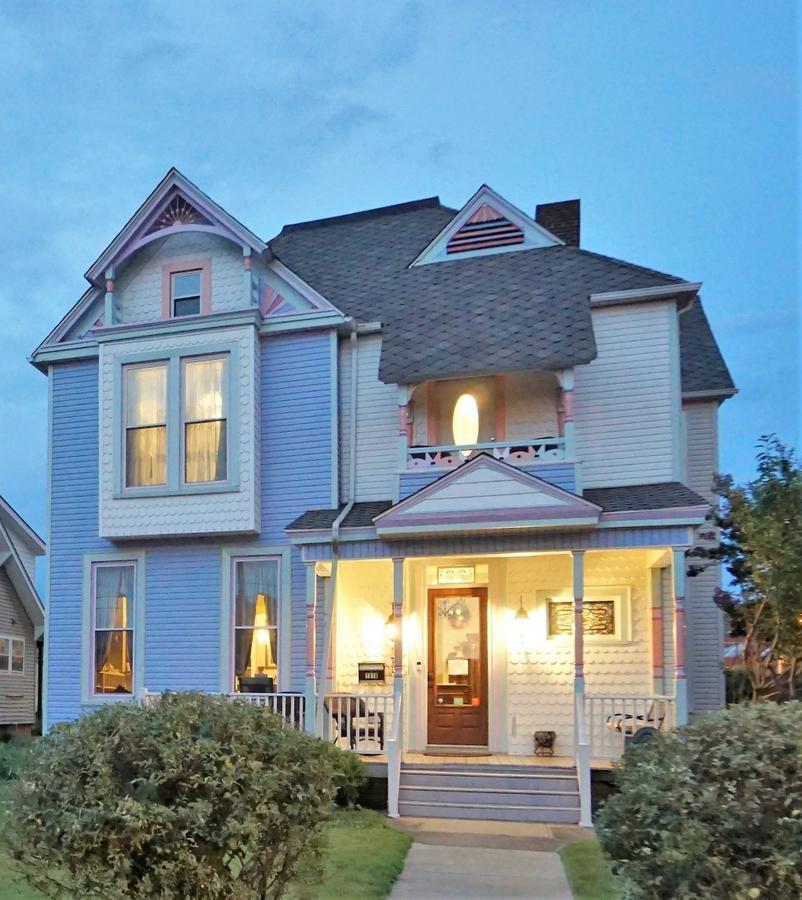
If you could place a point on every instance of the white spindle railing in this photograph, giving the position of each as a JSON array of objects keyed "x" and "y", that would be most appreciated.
[
  {"x": 612, "y": 719},
  {"x": 394, "y": 755},
  {"x": 517, "y": 453},
  {"x": 359, "y": 722},
  {"x": 289, "y": 706}
]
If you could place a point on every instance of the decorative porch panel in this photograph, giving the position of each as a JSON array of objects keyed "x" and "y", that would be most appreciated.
[
  {"x": 560, "y": 474},
  {"x": 541, "y": 668},
  {"x": 510, "y": 542}
]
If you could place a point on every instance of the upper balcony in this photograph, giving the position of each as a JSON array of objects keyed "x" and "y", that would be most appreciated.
[{"x": 522, "y": 418}]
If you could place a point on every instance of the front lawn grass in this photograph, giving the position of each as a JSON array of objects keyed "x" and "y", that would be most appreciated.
[
  {"x": 362, "y": 859},
  {"x": 587, "y": 870}
]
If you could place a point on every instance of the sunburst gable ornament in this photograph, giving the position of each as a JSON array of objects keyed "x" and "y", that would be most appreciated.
[{"x": 179, "y": 211}]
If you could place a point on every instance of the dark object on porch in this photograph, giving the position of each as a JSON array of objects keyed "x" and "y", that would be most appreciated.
[
  {"x": 256, "y": 684},
  {"x": 354, "y": 722},
  {"x": 629, "y": 723},
  {"x": 544, "y": 743},
  {"x": 641, "y": 736}
]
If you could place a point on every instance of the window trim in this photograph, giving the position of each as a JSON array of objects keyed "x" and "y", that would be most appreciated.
[
  {"x": 183, "y": 421},
  {"x": 21, "y": 640},
  {"x": 621, "y": 594},
  {"x": 125, "y": 426},
  {"x": 204, "y": 266},
  {"x": 176, "y": 485},
  {"x": 230, "y": 557},
  {"x": 91, "y": 562}
]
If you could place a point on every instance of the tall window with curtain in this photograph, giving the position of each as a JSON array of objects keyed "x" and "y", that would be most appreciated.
[
  {"x": 256, "y": 630},
  {"x": 205, "y": 419},
  {"x": 113, "y": 587},
  {"x": 145, "y": 389}
]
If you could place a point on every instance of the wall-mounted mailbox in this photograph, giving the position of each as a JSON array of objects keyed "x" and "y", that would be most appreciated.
[{"x": 371, "y": 672}]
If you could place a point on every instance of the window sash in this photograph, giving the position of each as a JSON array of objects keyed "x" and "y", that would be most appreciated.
[
  {"x": 112, "y": 636},
  {"x": 204, "y": 403},
  {"x": 145, "y": 411},
  {"x": 17, "y": 655},
  {"x": 186, "y": 300},
  {"x": 256, "y": 601}
]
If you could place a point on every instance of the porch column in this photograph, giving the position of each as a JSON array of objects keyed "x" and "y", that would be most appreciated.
[
  {"x": 404, "y": 431},
  {"x": 658, "y": 655},
  {"x": 311, "y": 609},
  {"x": 680, "y": 635},
  {"x": 398, "y": 640},
  {"x": 578, "y": 558},
  {"x": 566, "y": 412}
]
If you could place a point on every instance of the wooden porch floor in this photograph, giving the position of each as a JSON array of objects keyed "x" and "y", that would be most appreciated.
[{"x": 377, "y": 762}]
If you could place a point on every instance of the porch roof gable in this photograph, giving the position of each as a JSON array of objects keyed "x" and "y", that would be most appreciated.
[{"x": 485, "y": 494}]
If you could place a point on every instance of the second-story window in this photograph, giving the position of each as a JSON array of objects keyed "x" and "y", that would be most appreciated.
[
  {"x": 145, "y": 424},
  {"x": 205, "y": 419},
  {"x": 185, "y": 293}
]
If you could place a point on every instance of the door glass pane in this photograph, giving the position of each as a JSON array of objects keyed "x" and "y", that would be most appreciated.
[
  {"x": 457, "y": 651},
  {"x": 256, "y": 626}
]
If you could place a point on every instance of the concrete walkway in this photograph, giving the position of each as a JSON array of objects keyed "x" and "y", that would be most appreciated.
[{"x": 483, "y": 860}]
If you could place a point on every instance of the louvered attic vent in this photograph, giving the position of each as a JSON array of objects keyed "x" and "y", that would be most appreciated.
[{"x": 485, "y": 228}]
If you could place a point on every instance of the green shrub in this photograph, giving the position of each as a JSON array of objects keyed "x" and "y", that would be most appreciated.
[
  {"x": 13, "y": 756},
  {"x": 194, "y": 796},
  {"x": 713, "y": 811}
]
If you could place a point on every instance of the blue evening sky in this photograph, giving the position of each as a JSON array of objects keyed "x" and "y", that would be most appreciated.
[{"x": 675, "y": 123}]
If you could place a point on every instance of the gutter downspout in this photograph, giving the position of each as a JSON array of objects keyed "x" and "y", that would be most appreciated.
[{"x": 328, "y": 616}]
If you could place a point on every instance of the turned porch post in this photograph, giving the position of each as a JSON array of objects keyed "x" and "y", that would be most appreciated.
[
  {"x": 680, "y": 635},
  {"x": 311, "y": 609},
  {"x": 398, "y": 639},
  {"x": 578, "y": 568}
]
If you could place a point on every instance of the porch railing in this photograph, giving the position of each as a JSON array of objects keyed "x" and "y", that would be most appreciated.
[
  {"x": 289, "y": 706},
  {"x": 517, "y": 453},
  {"x": 612, "y": 719},
  {"x": 358, "y": 722}
]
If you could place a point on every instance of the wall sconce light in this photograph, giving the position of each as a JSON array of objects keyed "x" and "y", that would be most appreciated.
[
  {"x": 521, "y": 615},
  {"x": 390, "y": 627}
]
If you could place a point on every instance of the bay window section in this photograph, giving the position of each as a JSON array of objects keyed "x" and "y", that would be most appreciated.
[
  {"x": 256, "y": 626},
  {"x": 205, "y": 419},
  {"x": 145, "y": 424},
  {"x": 113, "y": 612}
]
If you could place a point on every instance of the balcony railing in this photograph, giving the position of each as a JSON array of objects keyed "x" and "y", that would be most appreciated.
[{"x": 517, "y": 453}]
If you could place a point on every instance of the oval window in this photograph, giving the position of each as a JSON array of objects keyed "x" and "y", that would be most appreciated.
[{"x": 465, "y": 421}]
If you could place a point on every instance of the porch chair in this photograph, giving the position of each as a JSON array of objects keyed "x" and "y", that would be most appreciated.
[
  {"x": 353, "y": 721},
  {"x": 628, "y": 724}
]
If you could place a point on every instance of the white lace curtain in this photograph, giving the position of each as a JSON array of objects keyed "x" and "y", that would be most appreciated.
[{"x": 205, "y": 417}]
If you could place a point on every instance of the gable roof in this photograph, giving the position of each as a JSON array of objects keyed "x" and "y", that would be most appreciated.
[
  {"x": 526, "y": 309},
  {"x": 641, "y": 497},
  {"x": 15, "y": 524},
  {"x": 704, "y": 371},
  {"x": 19, "y": 578}
]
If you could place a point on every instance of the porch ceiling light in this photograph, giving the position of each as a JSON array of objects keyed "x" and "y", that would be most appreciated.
[
  {"x": 521, "y": 615},
  {"x": 465, "y": 421}
]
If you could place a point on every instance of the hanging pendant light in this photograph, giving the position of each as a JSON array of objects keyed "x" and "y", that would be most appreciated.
[
  {"x": 521, "y": 615},
  {"x": 390, "y": 627}
]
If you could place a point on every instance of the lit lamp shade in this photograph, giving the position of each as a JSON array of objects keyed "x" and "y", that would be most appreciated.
[{"x": 465, "y": 421}]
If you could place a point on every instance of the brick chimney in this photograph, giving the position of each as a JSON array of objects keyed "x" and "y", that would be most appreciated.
[{"x": 561, "y": 219}]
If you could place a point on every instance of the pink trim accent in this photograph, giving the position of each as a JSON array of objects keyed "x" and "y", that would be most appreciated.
[
  {"x": 190, "y": 265},
  {"x": 485, "y": 213},
  {"x": 271, "y": 300},
  {"x": 680, "y": 638},
  {"x": 568, "y": 406},
  {"x": 405, "y": 422},
  {"x": 579, "y": 638},
  {"x": 109, "y": 285},
  {"x": 501, "y": 407},
  {"x": 658, "y": 656},
  {"x": 246, "y": 262}
]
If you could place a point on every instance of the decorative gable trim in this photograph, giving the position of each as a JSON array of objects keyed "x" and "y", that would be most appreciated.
[
  {"x": 486, "y": 224},
  {"x": 174, "y": 206},
  {"x": 20, "y": 579},
  {"x": 486, "y": 494}
]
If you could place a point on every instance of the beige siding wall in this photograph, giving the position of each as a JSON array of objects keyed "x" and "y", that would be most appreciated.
[
  {"x": 626, "y": 401},
  {"x": 17, "y": 689},
  {"x": 705, "y": 621},
  {"x": 377, "y": 424}
]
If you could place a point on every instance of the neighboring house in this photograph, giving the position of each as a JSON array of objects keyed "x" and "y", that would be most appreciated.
[
  {"x": 21, "y": 622},
  {"x": 413, "y": 445}
]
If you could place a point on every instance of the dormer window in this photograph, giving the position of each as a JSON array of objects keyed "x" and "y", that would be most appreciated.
[{"x": 185, "y": 293}]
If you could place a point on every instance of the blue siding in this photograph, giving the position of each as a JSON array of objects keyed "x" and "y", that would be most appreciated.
[
  {"x": 560, "y": 474},
  {"x": 183, "y": 577},
  {"x": 74, "y": 529}
]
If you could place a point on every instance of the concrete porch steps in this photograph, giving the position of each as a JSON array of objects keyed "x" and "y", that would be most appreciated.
[{"x": 504, "y": 793}]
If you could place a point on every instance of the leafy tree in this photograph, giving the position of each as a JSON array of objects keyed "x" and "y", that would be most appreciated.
[{"x": 760, "y": 543}]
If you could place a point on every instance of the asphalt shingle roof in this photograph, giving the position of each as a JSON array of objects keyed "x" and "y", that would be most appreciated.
[
  {"x": 634, "y": 497},
  {"x": 630, "y": 498},
  {"x": 527, "y": 309},
  {"x": 703, "y": 367}
]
